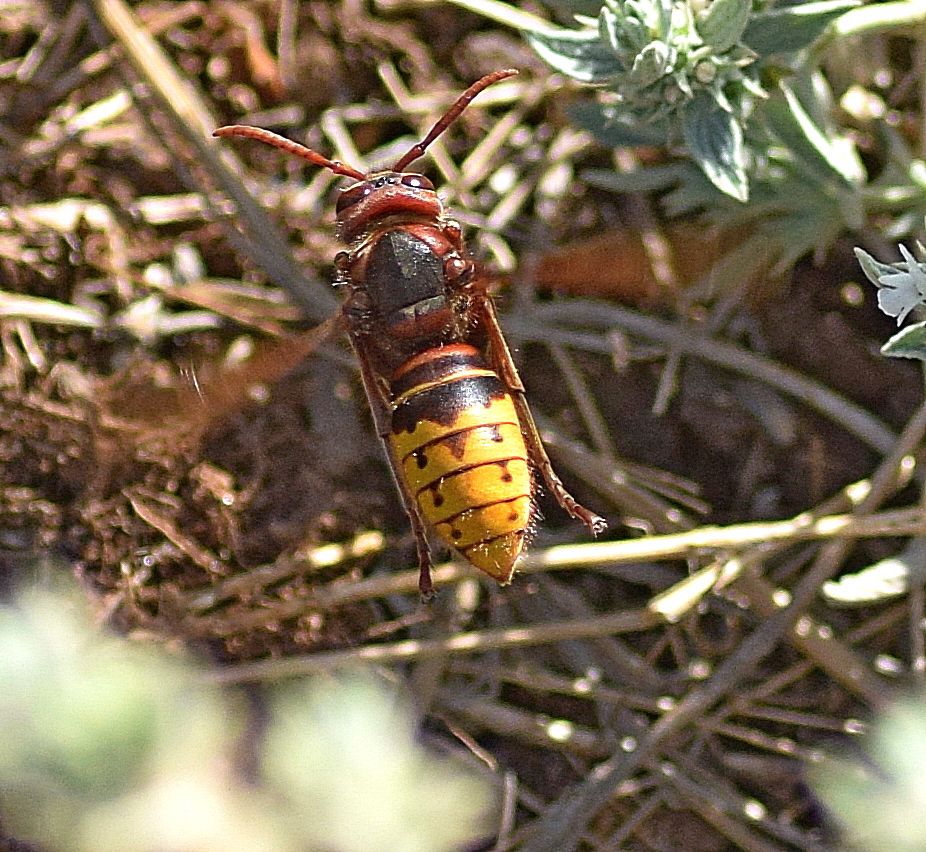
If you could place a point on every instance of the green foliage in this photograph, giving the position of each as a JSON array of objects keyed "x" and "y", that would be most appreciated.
[
  {"x": 346, "y": 759},
  {"x": 736, "y": 87},
  {"x": 715, "y": 140},
  {"x": 696, "y": 70},
  {"x": 788, "y": 29},
  {"x": 577, "y": 53},
  {"x": 880, "y": 801},
  {"x": 669, "y": 66},
  {"x": 108, "y": 746}
]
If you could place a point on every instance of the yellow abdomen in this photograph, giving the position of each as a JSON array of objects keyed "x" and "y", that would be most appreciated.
[{"x": 457, "y": 436}]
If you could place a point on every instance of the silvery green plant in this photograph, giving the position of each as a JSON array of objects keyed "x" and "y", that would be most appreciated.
[
  {"x": 694, "y": 57},
  {"x": 686, "y": 71},
  {"x": 738, "y": 95},
  {"x": 876, "y": 789},
  {"x": 708, "y": 74},
  {"x": 674, "y": 68}
]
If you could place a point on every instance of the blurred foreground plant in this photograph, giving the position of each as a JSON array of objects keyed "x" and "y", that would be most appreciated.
[
  {"x": 109, "y": 746},
  {"x": 880, "y": 802}
]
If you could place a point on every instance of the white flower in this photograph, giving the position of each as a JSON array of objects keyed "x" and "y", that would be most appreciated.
[{"x": 901, "y": 291}]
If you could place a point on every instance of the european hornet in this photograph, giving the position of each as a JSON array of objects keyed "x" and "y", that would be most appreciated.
[{"x": 445, "y": 394}]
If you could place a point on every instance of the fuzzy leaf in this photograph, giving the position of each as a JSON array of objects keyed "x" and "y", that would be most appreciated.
[
  {"x": 715, "y": 139},
  {"x": 579, "y": 54},
  {"x": 789, "y": 28},
  {"x": 789, "y": 121},
  {"x": 693, "y": 194},
  {"x": 650, "y": 64},
  {"x": 724, "y": 23},
  {"x": 909, "y": 342},
  {"x": 605, "y": 124},
  {"x": 609, "y": 29}
]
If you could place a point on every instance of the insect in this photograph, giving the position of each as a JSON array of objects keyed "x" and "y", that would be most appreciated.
[{"x": 444, "y": 391}]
